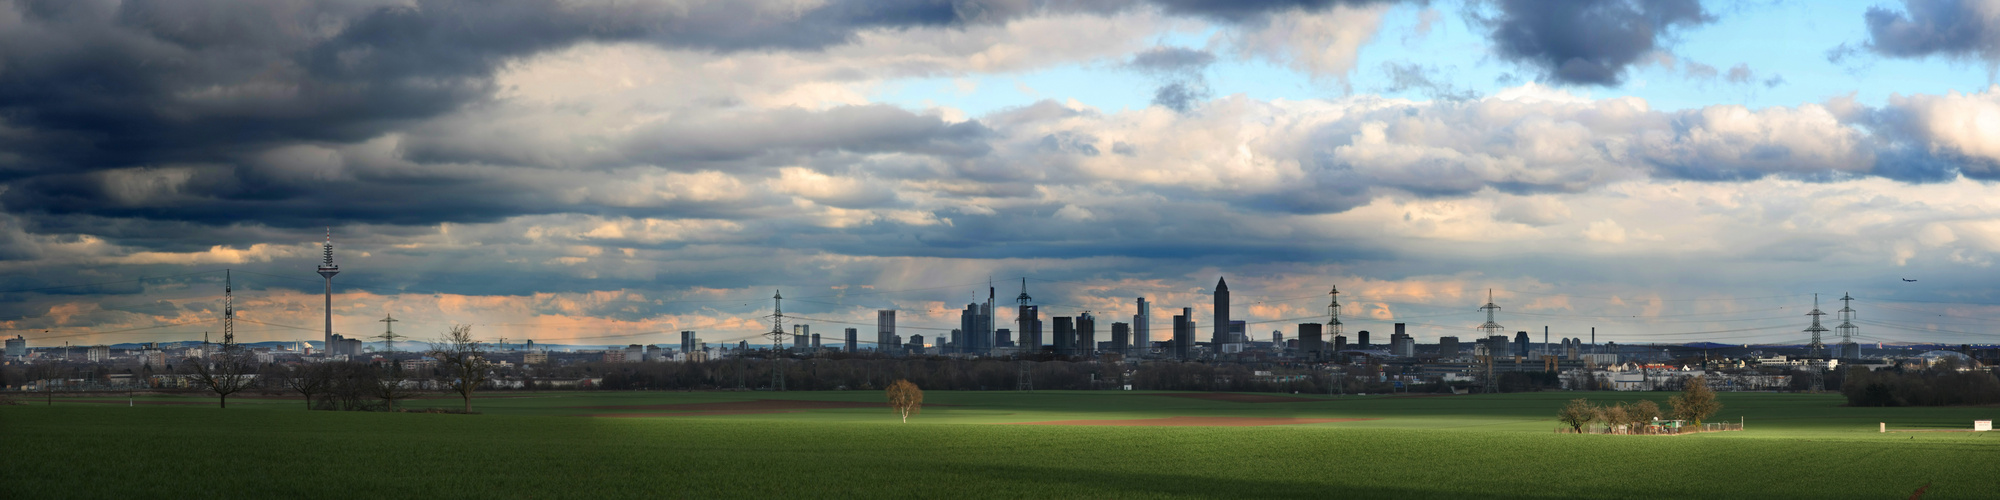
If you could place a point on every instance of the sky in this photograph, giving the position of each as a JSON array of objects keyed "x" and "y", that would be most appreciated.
[{"x": 612, "y": 172}]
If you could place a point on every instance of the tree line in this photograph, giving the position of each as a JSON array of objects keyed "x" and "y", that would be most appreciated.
[{"x": 1942, "y": 385}]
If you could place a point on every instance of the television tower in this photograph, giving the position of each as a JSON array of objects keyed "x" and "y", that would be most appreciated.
[
  {"x": 228, "y": 312},
  {"x": 327, "y": 270},
  {"x": 1847, "y": 330},
  {"x": 1491, "y": 329},
  {"x": 777, "y": 336}
]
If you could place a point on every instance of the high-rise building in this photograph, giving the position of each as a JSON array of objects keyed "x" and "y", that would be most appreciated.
[
  {"x": 1142, "y": 334},
  {"x": 1521, "y": 343},
  {"x": 1400, "y": 344},
  {"x": 799, "y": 335},
  {"x": 853, "y": 338},
  {"x": 885, "y": 330},
  {"x": 1183, "y": 334},
  {"x": 1086, "y": 334},
  {"x": 1339, "y": 343},
  {"x": 1030, "y": 335},
  {"x": 1311, "y": 344},
  {"x": 1361, "y": 339},
  {"x": 1221, "y": 335},
  {"x": 17, "y": 347},
  {"x": 635, "y": 353},
  {"x": 1003, "y": 337},
  {"x": 916, "y": 342},
  {"x": 97, "y": 353},
  {"x": 653, "y": 353},
  {"x": 1447, "y": 346},
  {"x": 815, "y": 344},
  {"x": 687, "y": 341},
  {"x": 1065, "y": 335},
  {"x": 1121, "y": 338}
]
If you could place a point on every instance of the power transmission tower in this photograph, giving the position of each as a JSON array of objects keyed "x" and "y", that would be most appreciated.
[
  {"x": 389, "y": 337},
  {"x": 1490, "y": 329},
  {"x": 1816, "y": 350},
  {"x": 1333, "y": 325},
  {"x": 228, "y": 314},
  {"x": 777, "y": 336},
  {"x": 1847, "y": 330},
  {"x": 1027, "y": 376}
]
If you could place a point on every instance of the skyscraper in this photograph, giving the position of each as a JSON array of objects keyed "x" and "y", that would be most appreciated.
[
  {"x": 1065, "y": 335},
  {"x": 1086, "y": 334},
  {"x": 1220, "y": 334},
  {"x": 1311, "y": 345},
  {"x": 1447, "y": 346},
  {"x": 1521, "y": 342},
  {"x": 1142, "y": 335},
  {"x": 1121, "y": 338},
  {"x": 1030, "y": 335},
  {"x": 687, "y": 341},
  {"x": 1361, "y": 339},
  {"x": 1183, "y": 334},
  {"x": 853, "y": 338},
  {"x": 885, "y": 330}
]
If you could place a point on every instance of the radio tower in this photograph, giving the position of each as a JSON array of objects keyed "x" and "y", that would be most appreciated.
[
  {"x": 1847, "y": 330},
  {"x": 327, "y": 270},
  {"x": 1027, "y": 380},
  {"x": 777, "y": 336},
  {"x": 1491, "y": 329},
  {"x": 1816, "y": 349},
  {"x": 228, "y": 312}
]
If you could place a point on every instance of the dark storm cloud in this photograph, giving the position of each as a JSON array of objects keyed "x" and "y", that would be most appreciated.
[
  {"x": 1587, "y": 42},
  {"x": 1952, "y": 28},
  {"x": 1251, "y": 10}
]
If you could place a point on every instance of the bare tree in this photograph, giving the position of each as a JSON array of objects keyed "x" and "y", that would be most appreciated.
[
  {"x": 390, "y": 390},
  {"x": 1577, "y": 414},
  {"x": 463, "y": 361},
  {"x": 905, "y": 398},
  {"x": 308, "y": 380},
  {"x": 1696, "y": 402},
  {"x": 231, "y": 370}
]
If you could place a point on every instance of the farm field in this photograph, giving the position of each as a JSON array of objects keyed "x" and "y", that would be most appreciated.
[{"x": 846, "y": 444}]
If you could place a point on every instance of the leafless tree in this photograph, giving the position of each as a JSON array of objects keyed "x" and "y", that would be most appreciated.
[
  {"x": 462, "y": 359},
  {"x": 308, "y": 380},
  {"x": 231, "y": 369},
  {"x": 390, "y": 390},
  {"x": 905, "y": 398}
]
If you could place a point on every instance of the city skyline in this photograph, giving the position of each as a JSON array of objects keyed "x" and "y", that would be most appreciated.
[{"x": 630, "y": 171}]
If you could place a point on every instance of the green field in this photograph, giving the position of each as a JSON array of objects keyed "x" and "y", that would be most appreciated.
[{"x": 533, "y": 445}]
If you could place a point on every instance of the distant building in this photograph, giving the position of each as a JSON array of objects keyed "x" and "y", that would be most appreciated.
[
  {"x": 853, "y": 338},
  {"x": 815, "y": 342},
  {"x": 1339, "y": 343},
  {"x": 1312, "y": 345},
  {"x": 1086, "y": 334},
  {"x": 1521, "y": 343},
  {"x": 1121, "y": 338},
  {"x": 1447, "y": 346},
  {"x": 1400, "y": 343},
  {"x": 1183, "y": 334},
  {"x": 17, "y": 347},
  {"x": 1221, "y": 332},
  {"x": 1065, "y": 335},
  {"x": 687, "y": 341},
  {"x": 535, "y": 357},
  {"x": 1142, "y": 337},
  {"x": 635, "y": 353},
  {"x": 653, "y": 353},
  {"x": 800, "y": 333},
  {"x": 1003, "y": 337},
  {"x": 614, "y": 356},
  {"x": 1360, "y": 340},
  {"x": 155, "y": 358},
  {"x": 97, "y": 353},
  {"x": 885, "y": 330},
  {"x": 1030, "y": 335}
]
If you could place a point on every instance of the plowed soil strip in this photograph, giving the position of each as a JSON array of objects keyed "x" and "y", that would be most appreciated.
[
  {"x": 757, "y": 405},
  {"x": 1198, "y": 421},
  {"x": 684, "y": 414},
  {"x": 1240, "y": 398}
]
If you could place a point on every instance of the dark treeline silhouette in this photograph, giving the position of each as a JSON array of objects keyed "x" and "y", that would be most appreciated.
[{"x": 1929, "y": 387}]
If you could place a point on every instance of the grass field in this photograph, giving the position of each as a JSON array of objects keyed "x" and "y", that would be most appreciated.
[{"x": 534, "y": 445}]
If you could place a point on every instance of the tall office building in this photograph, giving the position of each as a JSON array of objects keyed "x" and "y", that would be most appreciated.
[
  {"x": 17, "y": 347},
  {"x": 885, "y": 330},
  {"x": 1121, "y": 339},
  {"x": 970, "y": 323},
  {"x": 1521, "y": 343},
  {"x": 1447, "y": 346},
  {"x": 1221, "y": 334},
  {"x": 852, "y": 339},
  {"x": 687, "y": 341},
  {"x": 815, "y": 344},
  {"x": 1030, "y": 335},
  {"x": 1183, "y": 334},
  {"x": 1400, "y": 344},
  {"x": 1065, "y": 335},
  {"x": 1361, "y": 339},
  {"x": 1086, "y": 334},
  {"x": 1339, "y": 343},
  {"x": 799, "y": 335},
  {"x": 1003, "y": 337},
  {"x": 1142, "y": 335},
  {"x": 1311, "y": 345}
]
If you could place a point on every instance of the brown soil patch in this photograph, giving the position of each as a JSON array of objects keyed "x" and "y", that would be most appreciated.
[
  {"x": 1240, "y": 398},
  {"x": 757, "y": 405},
  {"x": 684, "y": 414},
  {"x": 1198, "y": 421}
]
